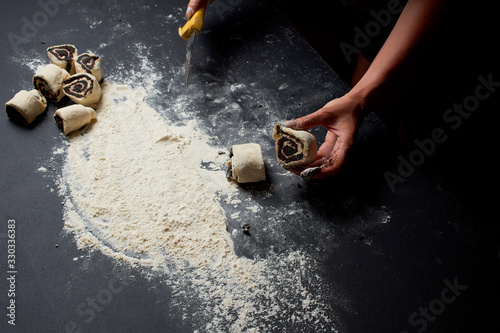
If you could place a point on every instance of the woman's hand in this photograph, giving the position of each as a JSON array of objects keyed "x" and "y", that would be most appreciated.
[
  {"x": 193, "y": 6},
  {"x": 341, "y": 118}
]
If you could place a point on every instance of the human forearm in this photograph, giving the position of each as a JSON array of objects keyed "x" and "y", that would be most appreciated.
[{"x": 400, "y": 49}]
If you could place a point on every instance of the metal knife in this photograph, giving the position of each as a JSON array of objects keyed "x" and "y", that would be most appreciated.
[{"x": 188, "y": 32}]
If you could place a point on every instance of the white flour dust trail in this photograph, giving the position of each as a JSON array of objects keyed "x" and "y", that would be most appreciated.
[{"x": 133, "y": 188}]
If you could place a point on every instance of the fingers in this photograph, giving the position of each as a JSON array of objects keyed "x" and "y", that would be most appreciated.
[
  {"x": 193, "y": 6},
  {"x": 340, "y": 118},
  {"x": 332, "y": 155},
  {"x": 324, "y": 116},
  {"x": 307, "y": 122},
  {"x": 325, "y": 163},
  {"x": 337, "y": 158}
]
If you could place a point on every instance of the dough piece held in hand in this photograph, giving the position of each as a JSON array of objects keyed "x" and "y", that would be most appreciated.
[
  {"x": 73, "y": 117},
  {"x": 83, "y": 89},
  {"x": 246, "y": 164},
  {"x": 49, "y": 82},
  {"x": 63, "y": 56},
  {"x": 294, "y": 148},
  {"x": 25, "y": 106},
  {"x": 89, "y": 63}
]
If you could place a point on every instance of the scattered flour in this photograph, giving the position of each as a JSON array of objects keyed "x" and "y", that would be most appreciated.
[
  {"x": 136, "y": 186},
  {"x": 134, "y": 189}
]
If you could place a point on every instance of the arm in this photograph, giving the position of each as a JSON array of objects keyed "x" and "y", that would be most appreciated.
[
  {"x": 405, "y": 40},
  {"x": 342, "y": 116}
]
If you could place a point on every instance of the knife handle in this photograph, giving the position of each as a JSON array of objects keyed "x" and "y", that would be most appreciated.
[{"x": 194, "y": 24}]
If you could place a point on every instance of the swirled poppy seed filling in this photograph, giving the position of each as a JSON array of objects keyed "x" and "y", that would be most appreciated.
[
  {"x": 290, "y": 149},
  {"x": 44, "y": 88},
  {"x": 64, "y": 54},
  {"x": 78, "y": 86},
  {"x": 87, "y": 62}
]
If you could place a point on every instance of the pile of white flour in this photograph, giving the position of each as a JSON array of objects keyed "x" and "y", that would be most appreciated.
[{"x": 134, "y": 189}]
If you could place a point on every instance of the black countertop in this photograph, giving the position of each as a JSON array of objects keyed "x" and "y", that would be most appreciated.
[{"x": 406, "y": 260}]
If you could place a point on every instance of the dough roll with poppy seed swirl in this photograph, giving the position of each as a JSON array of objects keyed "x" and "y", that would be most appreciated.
[
  {"x": 74, "y": 117},
  {"x": 83, "y": 89},
  {"x": 294, "y": 148},
  {"x": 89, "y": 63},
  {"x": 49, "y": 81},
  {"x": 63, "y": 56},
  {"x": 246, "y": 164},
  {"x": 25, "y": 106}
]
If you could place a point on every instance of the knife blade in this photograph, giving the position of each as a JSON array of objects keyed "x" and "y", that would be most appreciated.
[
  {"x": 189, "y": 52},
  {"x": 188, "y": 32}
]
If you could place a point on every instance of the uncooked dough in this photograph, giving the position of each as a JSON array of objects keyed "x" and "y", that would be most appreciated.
[
  {"x": 83, "y": 89},
  {"x": 49, "y": 82},
  {"x": 294, "y": 148},
  {"x": 63, "y": 56},
  {"x": 25, "y": 106},
  {"x": 89, "y": 63},
  {"x": 246, "y": 164},
  {"x": 73, "y": 117}
]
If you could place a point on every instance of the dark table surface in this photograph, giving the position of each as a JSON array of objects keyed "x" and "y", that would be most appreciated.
[{"x": 396, "y": 255}]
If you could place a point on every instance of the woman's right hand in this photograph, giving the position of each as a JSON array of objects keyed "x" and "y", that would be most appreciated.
[{"x": 341, "y": 117}]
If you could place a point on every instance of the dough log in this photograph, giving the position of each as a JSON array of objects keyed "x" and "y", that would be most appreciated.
[
  {"x": 25, "y": 106},
  {"x": 89, "y": 63},
  {"x": 83, "y": 89},
  {"x": 73, "y": 117},
  {"x": 63, "y": 56},
  {"x": 246, "y": 164},
  {"x": 49, "y": 82},
  {"x": 294, "y": 148}
]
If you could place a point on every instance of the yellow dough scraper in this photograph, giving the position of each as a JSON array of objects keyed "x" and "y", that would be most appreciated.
[{"x": 188, "y": 32}]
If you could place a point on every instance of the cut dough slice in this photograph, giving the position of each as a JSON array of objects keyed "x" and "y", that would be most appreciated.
[
  {"x": 246, "y": 164},
  {"x": 73, "y": 117},
  {"x": 49, "y": 82},
  {"x": 25, "y": 106},
  {"x": 63, "y": 56},
  {"x": 83, "y": 89},
  {"x": 294, "y": 148},
  {"x": 89, "y": 63}
]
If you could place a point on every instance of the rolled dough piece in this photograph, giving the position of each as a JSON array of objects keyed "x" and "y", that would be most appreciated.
[
  {"x": 63, "y": 56},
  {"x": 49, "y": 82},
  {"x": 83, "y": 89},
  {"x": 73, "y": 117},
  {"x": 89, "y": 63},
  {"x": 25, "y": 106},
  {"x": 294, "y": 148},
  {"x": 246, "y": 164}
]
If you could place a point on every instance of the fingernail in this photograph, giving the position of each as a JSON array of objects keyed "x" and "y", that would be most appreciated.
[{"x": 189, "y": 12}]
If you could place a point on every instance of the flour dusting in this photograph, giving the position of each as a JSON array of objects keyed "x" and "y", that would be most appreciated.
[
  {"x": 138, "y": 187},
  {"x": 148, "y": 193}
]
